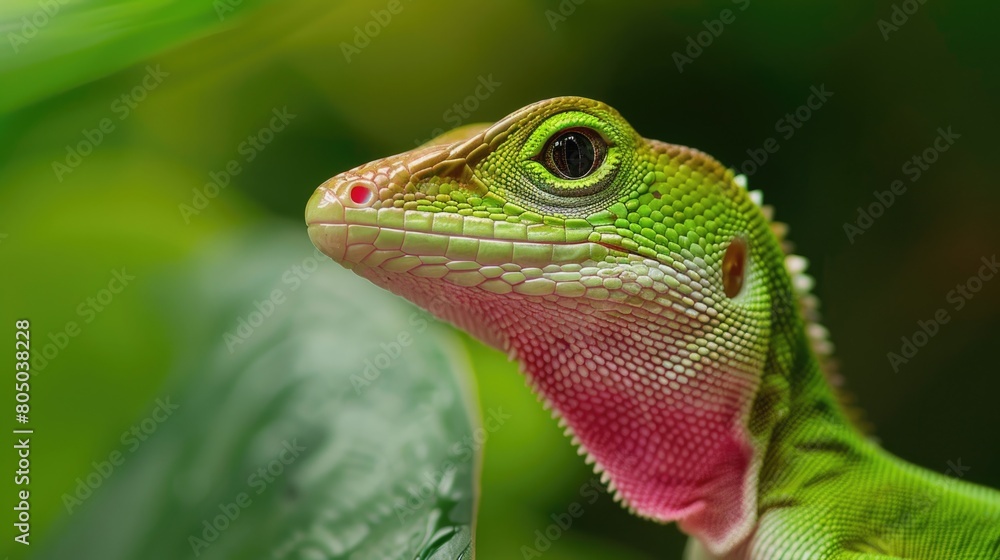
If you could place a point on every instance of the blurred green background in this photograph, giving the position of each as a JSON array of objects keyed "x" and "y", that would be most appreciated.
[{"x": 200, "y": 77}]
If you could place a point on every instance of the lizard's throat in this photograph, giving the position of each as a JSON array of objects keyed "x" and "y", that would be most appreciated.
[{"x": 666, "y": 424}]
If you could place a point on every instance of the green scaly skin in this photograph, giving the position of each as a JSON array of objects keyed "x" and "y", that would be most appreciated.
[{"x": 681, "y": 365}]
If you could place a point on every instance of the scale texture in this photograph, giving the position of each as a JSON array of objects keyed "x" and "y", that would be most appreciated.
[{"x": 651, "y": 303}]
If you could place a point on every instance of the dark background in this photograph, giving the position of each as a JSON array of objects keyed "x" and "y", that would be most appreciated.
[{"x": 894, "y": 84}]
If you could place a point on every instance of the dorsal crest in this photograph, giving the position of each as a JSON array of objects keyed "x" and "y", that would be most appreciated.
[{"x": 808, "y": 304}]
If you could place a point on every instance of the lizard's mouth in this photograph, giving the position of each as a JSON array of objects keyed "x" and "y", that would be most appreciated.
[{"x": 467, "y": 250}]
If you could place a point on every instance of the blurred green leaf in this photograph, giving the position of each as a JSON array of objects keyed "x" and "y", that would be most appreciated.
[
  {"x": 317, "y": 417},
  {"x": 54, "y": 45}
]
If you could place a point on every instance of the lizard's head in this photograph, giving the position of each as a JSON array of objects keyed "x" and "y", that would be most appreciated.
[{"x": 630, "y": 278}]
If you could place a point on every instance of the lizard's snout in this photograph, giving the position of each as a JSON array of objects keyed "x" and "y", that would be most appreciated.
[
  {"x": 327, "y": 209},
  {"x": 346, "y": 214}
]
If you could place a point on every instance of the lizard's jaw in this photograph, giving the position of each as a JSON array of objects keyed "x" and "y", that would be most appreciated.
[{"x": 497, "y": 257}]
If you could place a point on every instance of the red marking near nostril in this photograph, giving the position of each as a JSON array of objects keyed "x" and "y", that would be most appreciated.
[{"x": 360, "y": 194}]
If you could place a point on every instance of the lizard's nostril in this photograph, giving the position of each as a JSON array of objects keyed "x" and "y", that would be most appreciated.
[{"x": 361, "y": 194}]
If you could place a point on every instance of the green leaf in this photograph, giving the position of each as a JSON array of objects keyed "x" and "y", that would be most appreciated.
[
  {"x": 317, "y": 416},
  {"x": 55, "y": 45}
]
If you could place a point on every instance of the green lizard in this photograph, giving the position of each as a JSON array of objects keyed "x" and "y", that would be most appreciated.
[{"x": 647, "y": 296}]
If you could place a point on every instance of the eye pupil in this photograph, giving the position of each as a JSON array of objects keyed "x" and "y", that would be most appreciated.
[{"x": 574, "y": 154}]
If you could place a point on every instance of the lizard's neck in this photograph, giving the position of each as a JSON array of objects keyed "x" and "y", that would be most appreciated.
[
  {"x": 810, "y": 435},
  {"x": 818, "y": 465}
]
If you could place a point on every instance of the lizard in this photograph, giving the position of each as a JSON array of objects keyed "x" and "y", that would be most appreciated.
[{"x": 652, "y": 302}]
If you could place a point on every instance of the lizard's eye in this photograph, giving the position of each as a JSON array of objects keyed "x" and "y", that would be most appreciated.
[
  {"x": 571, "y": 158},
  {"x": 574, "y": 153}
]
